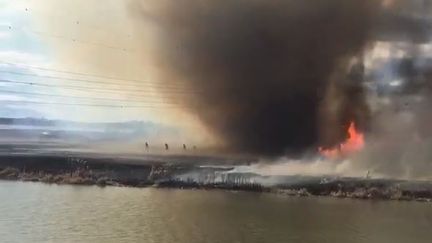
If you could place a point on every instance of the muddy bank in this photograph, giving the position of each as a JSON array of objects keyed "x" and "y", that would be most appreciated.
[
  {"x": 102, "y": 172},
  {"x": 85, "y": 170},
  {"x": 358, "y": 188}
]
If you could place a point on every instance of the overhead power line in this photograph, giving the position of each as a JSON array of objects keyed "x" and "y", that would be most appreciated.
[
  {"x": 158, "y": 87},
  {"x": 66, "y": 71},
  {"x": 86, "y": 42},
  {"x": 12, "y": 102},
  {"x": 138, "y": 81},
  {"x": 71, "y": 39},
  {"x": 85, "y": 98},
  {"x": 82, "y": 88},
  {"x": 92, "y": 92}
]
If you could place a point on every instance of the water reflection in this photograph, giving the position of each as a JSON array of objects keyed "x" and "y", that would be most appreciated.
[{"x": 33, "y": 212}]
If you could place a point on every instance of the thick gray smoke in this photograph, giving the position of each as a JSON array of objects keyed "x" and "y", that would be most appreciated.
[
  {"x": 400, "y": 138},
  {"x": 262, "y": 69}
]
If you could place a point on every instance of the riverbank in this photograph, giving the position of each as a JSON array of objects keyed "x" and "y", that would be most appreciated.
[{"x": 80, "y": 171}]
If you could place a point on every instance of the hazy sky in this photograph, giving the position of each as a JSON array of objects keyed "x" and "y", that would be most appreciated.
[
  {"x": 85, "y": 37},
  {"x": 84, "y": 61}
]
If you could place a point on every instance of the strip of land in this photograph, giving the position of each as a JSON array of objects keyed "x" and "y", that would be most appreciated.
[{"x": 81, "y": 170}]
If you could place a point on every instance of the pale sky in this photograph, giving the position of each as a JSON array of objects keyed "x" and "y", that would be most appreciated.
[
  {"x": 59, "y": 35},
  {"x": 45, "y": 43}
]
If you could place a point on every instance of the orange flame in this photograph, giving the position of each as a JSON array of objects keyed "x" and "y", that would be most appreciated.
[{"x": 354, "y": 143}]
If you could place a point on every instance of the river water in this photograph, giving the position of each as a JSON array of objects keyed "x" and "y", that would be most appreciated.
[{"x": 35, "y": 212}]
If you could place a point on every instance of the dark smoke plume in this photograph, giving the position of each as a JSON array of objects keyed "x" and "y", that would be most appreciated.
[{"x": 262, "y": 69}]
